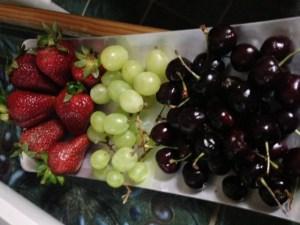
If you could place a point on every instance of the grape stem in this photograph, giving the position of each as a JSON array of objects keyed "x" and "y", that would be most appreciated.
[
  {"x": 268, "y": 156},
  {"x": 186, "y": 66},
  {"x": 297, "y": 131},
  {"x": 264, "y": 183},
  {"x": 197, "y": 159},
  {"x": 126, "y": 196},
  {"x": 273, "y": 164},
  {"x": 282, "y": 62}
]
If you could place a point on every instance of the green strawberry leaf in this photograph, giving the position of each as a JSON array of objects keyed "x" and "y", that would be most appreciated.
[
  {"x": 79, "y": 55},
  {"x": 86, "y": 51},
  {"x": 87, "y": 71},
  {"x": 74, "y": 87},
  {"x": 80, "y": 63},
  {"x": 62, "y": 48},
  {"x": 96, "y": 74}
]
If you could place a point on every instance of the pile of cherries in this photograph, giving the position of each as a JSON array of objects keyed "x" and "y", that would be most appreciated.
[{"x": 218, "y": 123}]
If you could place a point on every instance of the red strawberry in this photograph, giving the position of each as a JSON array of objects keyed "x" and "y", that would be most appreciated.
[
  {"x": 40, "y": 138},
  {"x": 54, "y": 56},
  {"x": 28, "y": 109},
  {"x": 86, "y": 69},
  {"x": 74, "y": 108}
]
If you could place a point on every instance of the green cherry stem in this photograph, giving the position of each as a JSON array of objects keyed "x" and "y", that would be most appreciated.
[
  {"x": 268, "y": 156},
  {"x": 186, "y": 66},
  {"x": 273, "y": 164},
  {"x": 197, "y": 159},
  {"x": 297, "y": 131},
  {"x": 282, "y": 62},
  {"x": 180, "y": 160}
]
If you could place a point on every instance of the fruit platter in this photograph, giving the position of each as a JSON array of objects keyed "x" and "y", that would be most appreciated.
[{"x": 209, "y": 113}]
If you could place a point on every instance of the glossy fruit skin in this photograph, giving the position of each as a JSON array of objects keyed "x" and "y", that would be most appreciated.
[
  {"x": 254, "y": 172},
  {"x": 40, "y": 138},
  {"x": 202, "y": 63},
  {"x": 195, "y": 178},
  {"x": 234, "y": 188},
  {"x": 292, "y": 162},
  {"x": 221, "y": 40},
  {"x": 221, "y": 118},
  {"x": 243, "y": 57},
  {"x": 265, "y": 73},
  {"x": 278, "y": 150},
  {"x": 289, "y": 91},
  {"x": 163, "y": 134},
  {"x": 66, "y": 157},
  {"x": 173, "y": 117},
  {"x": 209, "y": 143},
  {"x": 74, "y": 113},
  {"x": 170, "y": 93},
  {"x": 28, "y": 109},
  {"x": 279, "y": 46},
  {"x": 268, "y": 101},
  {"x": 219, "y": 165},
  {"x": 236, "y": 142},
  {"x": 288, "y": 122},
  {"x": 163, "y": 159},
  {"x": 190, "y": 119},
  {"x": 279, "y": 186},
  {"x": 175, "y": 67},
  {"x": 28, "y": 77},
  {"x": 89, "y": 80}
]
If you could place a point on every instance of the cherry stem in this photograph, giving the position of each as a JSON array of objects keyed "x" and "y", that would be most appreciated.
[
  {"x": 264, "y": 183},
  {"x": 273, "y": 164},
  {"x": 204, "y": 29},
  {"x": 197, "y": 159},
  {"x": 126, "y": 196},
  {"x": 282, "y": 62},
  {"x": 181, "y": 103},
  {"x": 185, "y": 90},
  {"x": 268, "y": 156},
  {"x": 186, "y": 66},
  {"x": 180, "y": 160},
  {"x": 297, "y": 131},
  {"x": 159, "y": 117}
]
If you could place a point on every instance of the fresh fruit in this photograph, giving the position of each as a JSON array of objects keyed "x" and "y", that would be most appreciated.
[
  {"x": 116, "y": 89},
  {"x": 25, "y": 75},
  {"x": 114, "y": 179},
  {"x": 203, "y": 62},
  {"x": 115, "y": 123},
  {"x": 176, "y": 71},
  {"x": 99, "y": 94},
  {"x": 100, "y": 159},
  {"x": 40, "y": 138},
  {"x": 130, "y": 70},
  {"x": 97, "y": 121},
  {"x": 126, "y": 139},
  {"x": 156, "y": 62},
  {"x": 163, "y": 134},
  {"x": 146, "y": 83},
  {"x": 124, "y": 159},
  {"x": 28, "y": 109},
  {"x": 138, "y": 173},
  {"x": 94, "y": 136},
  {"x": 110, "y": 76},
  {"x": 291, "y": 162},
  {"x": 170, "y": 93},
  {"x": 165, "y": 158},
  {"x": 113, "y": 57},
  {"x": 195, "y": 176},
  {"x": 74, "y": 108},
  {"x": 234, "y": 188},
  {"x": 289, "y": 91},
  {"x": 131, "y": 102}
]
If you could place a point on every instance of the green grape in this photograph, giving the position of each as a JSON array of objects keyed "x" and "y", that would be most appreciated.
[
  {"x": 156, "y": 62},
  {"x": 101, "y": 174},
  {"x": 124, "y": 159},
  {"x": 100, "y": 159},
  {"x": 114, "y": 179},
  {"x": 146, "y": 83},
  {"x": 99, "y": 94},
  {"x": 127, "y": 139},
  {"x": 139, "y": 172},
  {"x": 115, "y": 123},
  {"x": 109, "y": 76},
  {"x": 130, "y": 69},
  {"x": 94, "y": 136},
  {"x": 131, "y": 101},
  {"x": 113, "y": 57},
  {"x": 97, "y": 121},
  {"x": 149, "y": 101},
  {"x": 116, "y": 88}
]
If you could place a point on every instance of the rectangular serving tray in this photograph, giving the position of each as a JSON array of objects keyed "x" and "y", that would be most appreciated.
[{"x": 189, "y": 43}]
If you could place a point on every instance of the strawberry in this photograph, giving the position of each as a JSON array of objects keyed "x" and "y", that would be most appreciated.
[
  {"x": 24, "y": 74},
  {"x": 40, "y": 138},
  {"x": 74, "y": 108},
  {"x": 28, "y": 109},
  {"x": 54, "y": 56},
  {"x": 86, "y": 68}
]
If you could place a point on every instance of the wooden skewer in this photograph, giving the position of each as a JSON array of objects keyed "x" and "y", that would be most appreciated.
[{"x": 72, "y": 24}]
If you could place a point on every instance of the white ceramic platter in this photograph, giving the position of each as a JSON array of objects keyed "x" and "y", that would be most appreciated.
[{"x": 189, "y": 43}]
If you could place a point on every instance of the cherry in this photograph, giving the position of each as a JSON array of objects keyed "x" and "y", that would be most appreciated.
[
  {"x": 268, "y": 101},
  {"x": 230, "y": 83},
  {"x": 288, "y": 122},
  {"x": 172, "y": 117},
  {"x": 163, "y": 133},
  {"x": 289, "y": 90},
  {"x": 195, "y": 176},
  {"x": 242, "y": 161},
  {"x": 184, "y": 150},
  {"x": 234, "y": 188},
  {"x": 221, "y": 118},
  {"x": 209, "y": 143},
  {"x": 243, "y": 57},
  {"x": 170, "y": 93},
  {"x": 219, "y": 165},
  {"x": 278, "y": 150},
  {"x": 266, "y": 72},
  {"x": 279, "y": 46},
  {"x": 280, "y": 188},
  {"x": 292, "y": 162},
  {"x": 203, "y": 62},
  {"x": 221, "y": 40},
  {"x": 254, "y": 172},
  {"x": 190, "y": 119},
  {"x": 235, "y": 142},
  {"x": 166, "y": 160},
  {"x": 176, "y": 71}
]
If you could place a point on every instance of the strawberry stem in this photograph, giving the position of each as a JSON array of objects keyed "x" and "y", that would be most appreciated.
[
  {"x": 52, "y": 36},
  {"x": 73, "y": 88}
]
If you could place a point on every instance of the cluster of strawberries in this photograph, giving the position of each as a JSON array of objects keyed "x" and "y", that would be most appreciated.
[{"x": 51, "y": 105}]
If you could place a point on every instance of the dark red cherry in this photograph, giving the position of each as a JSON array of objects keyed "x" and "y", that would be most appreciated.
[
  {"x": 289, "y": 91},
  {"x": 292, "y": 162},
  {"x": 266, "y": 72},
  {"x": 279, "y": 46},
  {"x": 254, "y": 172},
  {"x": 209, "y": 143},
  {"x": 190, "y": 119},
  {"x": 202, "y": 62},
  {"x": 165, "y": 159},
  {"x": 230, "y": 83},
  {"x": 163, "y": 134},
  {"x": 184, "y": 149},
  {"x": 234, "y": 188},
  {"x": 243, "y": 57},
  {"x": 176, "y": 71},
  {"x": 173, "y": 116},
  {"x": 221, "y": 40},
  {"x": 243, "y": 160},
  {"x": 221, "y": 118},
  {"x": 279, "y": 186},
  {"x": 268, "y": 101},
  {"x": 288, "y": 122},
  {"x": 235, "y": 142},
  {"x": 170, "y": 93},
  {"x": 195, "y": 177},
  {"x": 278, "y": 150},
  {"x": 219, "y": 165}
]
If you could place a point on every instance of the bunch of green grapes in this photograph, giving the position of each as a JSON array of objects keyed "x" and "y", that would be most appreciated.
[{"x": 128, "y": 84}]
